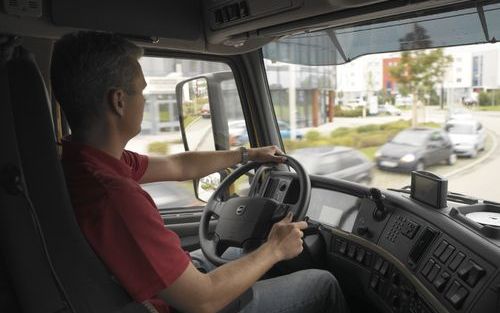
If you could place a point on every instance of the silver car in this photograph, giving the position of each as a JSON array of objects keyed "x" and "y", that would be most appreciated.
[
  {"x": 338, "y": 162},
  {"x": 468, "y": 136}
]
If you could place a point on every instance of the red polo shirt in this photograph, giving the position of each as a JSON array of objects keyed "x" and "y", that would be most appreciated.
[{"x": 121, "y": 221}]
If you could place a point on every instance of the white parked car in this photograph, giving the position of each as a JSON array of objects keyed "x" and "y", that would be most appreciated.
[
  {"x": 388, "y": 109},
  {"x": 458, "y": 114},
  {"x": 468, "y": 136}
]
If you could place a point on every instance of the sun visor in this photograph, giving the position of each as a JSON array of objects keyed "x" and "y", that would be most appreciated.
[
  {"x": 168, "y": 19},
  {"x": 340, "y": 45}
]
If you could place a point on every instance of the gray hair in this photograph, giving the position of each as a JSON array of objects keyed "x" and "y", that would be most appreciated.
[{"x": 85, "y": 66}]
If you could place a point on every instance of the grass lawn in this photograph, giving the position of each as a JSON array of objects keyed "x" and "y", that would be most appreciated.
[
  {"x": 369, "y": 152},
  {"x": 490, "y": 108}
]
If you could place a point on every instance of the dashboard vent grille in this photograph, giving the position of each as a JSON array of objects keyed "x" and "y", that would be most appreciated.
[
  {"x": 421, "y": 245},
  {"x": 231, "y": 12}
]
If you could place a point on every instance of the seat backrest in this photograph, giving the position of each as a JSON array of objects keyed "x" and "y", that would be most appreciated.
[{"x": 28, "y": 146}]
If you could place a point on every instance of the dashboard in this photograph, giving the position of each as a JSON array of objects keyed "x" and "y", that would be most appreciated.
[{"x": 400, "y": 254}]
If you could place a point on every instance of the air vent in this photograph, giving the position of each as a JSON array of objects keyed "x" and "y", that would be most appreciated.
[
  {"x": 231, "y": 12},
  {"x": 32, "y": 8}
]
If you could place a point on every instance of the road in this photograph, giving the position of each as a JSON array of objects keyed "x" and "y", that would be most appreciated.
[
  {"x": 481, "y": 179},
  {"x": 475, "y": 177}
]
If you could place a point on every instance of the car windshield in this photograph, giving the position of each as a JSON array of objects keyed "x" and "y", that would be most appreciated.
[
  {"x": 464, "y": 129},
  {"x": 410, "y": 138},
  {"x": 366, "y": 85}
]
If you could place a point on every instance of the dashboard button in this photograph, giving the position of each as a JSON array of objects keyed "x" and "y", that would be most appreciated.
[
  {"x": 434, "y": 272},
  {"x": 457, "y": 260},
  {"x": 440, "y": 249},
  {"x": 456, "y": 295},
  {"x": 428, "y": 266},
  {"x": 447, "y": 253},
  {"x": 441, "y": 281},
  {"x": 351, "y": 251},
  {"x": 378, "y": 264},
  {"x": 368, "y": 258},
  {"x": 471, "y": 273},
  {"x": 384, "y": 268},
  {"x": 410, "y": 228},
  {"x": 395, "y": 279},
  {"x": 341, "y": 246},
  {"x": 360, "y": 255}
]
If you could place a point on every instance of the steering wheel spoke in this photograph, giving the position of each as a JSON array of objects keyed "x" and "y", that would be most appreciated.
[
  {"x": 215, "y": 207},
  {"x": 220, "y": 247}
]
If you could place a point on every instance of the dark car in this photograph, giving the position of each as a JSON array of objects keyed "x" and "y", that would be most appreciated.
[
  {"x": 416, "y": 148},
  {"x": 338, "y": 162}
]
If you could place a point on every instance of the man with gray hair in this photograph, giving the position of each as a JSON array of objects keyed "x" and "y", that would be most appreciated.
[{"x": 98, "y": 81}]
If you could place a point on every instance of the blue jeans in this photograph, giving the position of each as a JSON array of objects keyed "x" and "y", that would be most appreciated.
[{"x": 307, "y": 291}]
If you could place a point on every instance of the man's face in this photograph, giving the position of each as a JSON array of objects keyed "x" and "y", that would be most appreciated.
[{"x": 134, "y": 108}]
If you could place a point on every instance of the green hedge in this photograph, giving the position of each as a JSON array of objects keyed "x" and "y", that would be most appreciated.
[
  {"x": 158, "y": 147},
  {"x": 362, "y": 137}
]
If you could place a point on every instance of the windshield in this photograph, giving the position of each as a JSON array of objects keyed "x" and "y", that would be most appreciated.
[
  {"x": 463, "y": 129},
  {"x": 331, "y": 87},
  {"x": 410, "y": 138}
]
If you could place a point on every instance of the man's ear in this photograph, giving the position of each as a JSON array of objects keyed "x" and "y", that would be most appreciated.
[{"x": 116, "y": 101}]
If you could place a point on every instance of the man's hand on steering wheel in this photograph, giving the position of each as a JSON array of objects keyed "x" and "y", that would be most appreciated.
[
  {"x": 286, "y": 238},
  {"x": 266, "y": 154}
]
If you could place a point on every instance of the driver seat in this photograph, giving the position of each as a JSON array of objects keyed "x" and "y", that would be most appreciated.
[{"x": 50, "y": 266}]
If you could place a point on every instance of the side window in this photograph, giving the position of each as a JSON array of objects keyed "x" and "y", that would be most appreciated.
[{"x": 160, "y": 134}]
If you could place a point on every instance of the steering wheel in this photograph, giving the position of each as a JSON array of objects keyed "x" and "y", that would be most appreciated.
[{"x": 246, "y": 221}]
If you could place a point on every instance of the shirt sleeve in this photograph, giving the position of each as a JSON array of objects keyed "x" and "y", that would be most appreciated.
[
  {"x": 137, "y": 162},
  {"x": 132, "y": 240}
]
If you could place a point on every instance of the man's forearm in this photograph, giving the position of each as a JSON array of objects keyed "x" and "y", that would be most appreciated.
[{"x": 196, "y": 164}]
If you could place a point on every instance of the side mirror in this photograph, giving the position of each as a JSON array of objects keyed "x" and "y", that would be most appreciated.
[
  {"x": 194, "y": 107},
  {"x": 203, "y": 122}
]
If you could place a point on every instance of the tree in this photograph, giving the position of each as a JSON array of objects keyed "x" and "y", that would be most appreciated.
[
  {"x": 419, "y": 71},
  {"x": 385, "y": 97}
]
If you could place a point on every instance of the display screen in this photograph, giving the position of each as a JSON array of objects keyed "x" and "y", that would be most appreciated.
[
  {"x": 333, "y": 208},
  {"x": 429, "y": 189}
]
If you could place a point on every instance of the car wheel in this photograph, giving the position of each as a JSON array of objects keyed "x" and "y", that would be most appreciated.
[
  {"x": 420, "y": 166},
  {"x": 451, "y": 159}
]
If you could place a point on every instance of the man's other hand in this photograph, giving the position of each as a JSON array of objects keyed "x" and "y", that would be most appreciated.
[
  {"x": 266, "y": 154},
  {"x": 286, "y": 238}
]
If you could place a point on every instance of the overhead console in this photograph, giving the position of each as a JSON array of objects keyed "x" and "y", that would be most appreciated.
[
  {"x": 226, "y": 18},
  {"x": 226, "y": 13}
]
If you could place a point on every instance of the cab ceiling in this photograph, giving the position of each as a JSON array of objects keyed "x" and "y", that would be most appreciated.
[{"x": 207, "y": 26}]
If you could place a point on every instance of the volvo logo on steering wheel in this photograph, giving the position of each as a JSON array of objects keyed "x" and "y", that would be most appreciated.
[{"x": 241, "y": 210}]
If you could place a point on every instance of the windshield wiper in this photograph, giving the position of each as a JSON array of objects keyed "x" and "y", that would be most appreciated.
[
  {"x": 452, "y": 196},
  {"x": 458, "y": 197}
]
